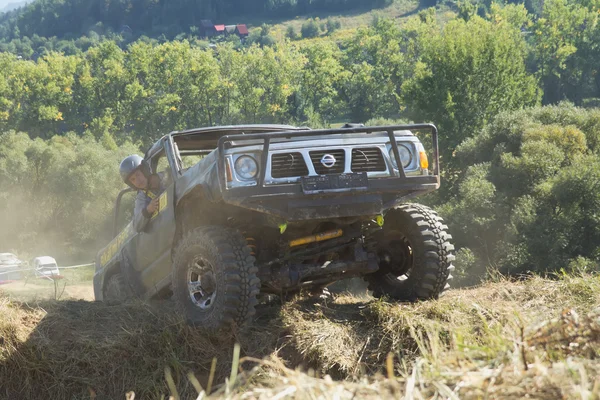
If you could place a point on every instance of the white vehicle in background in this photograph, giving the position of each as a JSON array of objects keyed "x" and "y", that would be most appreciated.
[
  {"x": 10, "y": 267},
  {"x": 45, "y": 266}
]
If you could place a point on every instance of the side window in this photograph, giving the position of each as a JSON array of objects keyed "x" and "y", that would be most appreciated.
[
  {"x": 160, "y": 165},
  {"x": 126, "y": 207}
]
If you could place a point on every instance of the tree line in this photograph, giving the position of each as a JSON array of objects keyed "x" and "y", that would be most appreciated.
[
  {"x": 74, "y": 18},
  {"x": 379, "y": 71},
  {"x": 520, "y": 181}
]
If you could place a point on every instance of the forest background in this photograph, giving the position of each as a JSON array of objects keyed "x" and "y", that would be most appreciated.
[{"x": 513, "y": 88}]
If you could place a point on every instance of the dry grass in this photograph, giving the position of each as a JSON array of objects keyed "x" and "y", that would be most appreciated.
[
  {"x": 352, "y": 19},
  {"x": 399, "y": 11},
  {"x": 74, "y": 284},
  {"x": 539, "y": 338}
]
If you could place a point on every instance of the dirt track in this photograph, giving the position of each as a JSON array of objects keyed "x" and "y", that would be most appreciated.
[{"x": 45, "y": 290}]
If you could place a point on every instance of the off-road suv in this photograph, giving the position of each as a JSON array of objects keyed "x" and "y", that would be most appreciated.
[{"x": 275, "y": 209}]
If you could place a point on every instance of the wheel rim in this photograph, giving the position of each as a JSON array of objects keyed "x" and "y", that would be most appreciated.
[
  {"x": 201, "y": 283},
  {"x": 395, "y": 256}
]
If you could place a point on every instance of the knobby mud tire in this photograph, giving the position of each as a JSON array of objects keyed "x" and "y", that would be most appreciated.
[
  {"x": 237, "y": 285},
  {"x": 432, "y": 256}
]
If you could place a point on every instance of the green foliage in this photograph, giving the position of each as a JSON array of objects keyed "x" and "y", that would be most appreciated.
[
  {"x": 530, "y": 196},
  {"x": 58, "y": 194},
  {"x": 520, "y": 186},
  {"x": 310, "y": 29},
  {"x": 291, "y": 33},
  {"x": 467, "y": 73},
  {"x": 262, "y": 36},
  {"x": 322, "y": 76},
  {"x": 466, "y": 267},
  {"x": 581, "y": 265},
  {"x": 333, "y": 25},
  {"x": 149, "y": 90},
  {"x": 377, "y": 68},
  {"x": 565, "y": 50},
  {"x": 73, "y": 18}
]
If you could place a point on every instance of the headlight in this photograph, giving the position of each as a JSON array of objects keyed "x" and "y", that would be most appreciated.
[
  {"x": 246, "y": 168},
  {"x": 405, "y": 156}
]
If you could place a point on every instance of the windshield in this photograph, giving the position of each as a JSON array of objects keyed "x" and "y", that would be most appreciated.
[{"x": 48, "y": 266}]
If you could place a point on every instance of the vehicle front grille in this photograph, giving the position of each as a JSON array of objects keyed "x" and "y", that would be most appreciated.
[
  {"x": 368, "y": 159},
  {"x": 338, "y": 166},
  {"x": 288, "y": 165}
]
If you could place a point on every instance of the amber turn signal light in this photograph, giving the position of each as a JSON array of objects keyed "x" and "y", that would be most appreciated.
[
  {"x": 228, "y": 170},
  {"x": 424, "y": 160}
]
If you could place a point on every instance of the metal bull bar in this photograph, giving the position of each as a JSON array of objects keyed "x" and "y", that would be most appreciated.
[{"x": 266, "y": 138}]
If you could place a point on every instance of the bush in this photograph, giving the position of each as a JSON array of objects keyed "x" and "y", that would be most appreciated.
[
  {"x": 291, "y": 32},
  {"x": 582, "y": 265},
  {"x": 310, "y": 29},
  {"x": 529, "y": 197},
  {"x": 333, "y": 25}
]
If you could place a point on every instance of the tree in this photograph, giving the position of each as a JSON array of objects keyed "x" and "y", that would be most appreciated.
[
  {"x": 377, "y": 69},
  {"x": 563, "y": 46},
  {"x": 466, "y": 74},
  {"x": 310, "y": 29},
  {"x": 321, "y": 78},
  {"x": 262, "y": 36},
  {"x": 529, "y": 196},
  {"x": 333, "y": 25},
  {"x": 58, "y": 193},
  {"x": 291, "y": 32}
]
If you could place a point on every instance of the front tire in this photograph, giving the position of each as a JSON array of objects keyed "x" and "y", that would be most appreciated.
[
  {"x": 415, "y": 255},
  {"x": 214, "y": 278}
]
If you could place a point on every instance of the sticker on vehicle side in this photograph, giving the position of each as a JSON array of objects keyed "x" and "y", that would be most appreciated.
[
  {"x": 114, "y": 246},
  {"x": 162, "y": 204}
]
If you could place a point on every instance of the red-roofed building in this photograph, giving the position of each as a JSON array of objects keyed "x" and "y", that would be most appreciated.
[
  {"x": 242, "y": 30},
  {"x": 220, "y": 29}
]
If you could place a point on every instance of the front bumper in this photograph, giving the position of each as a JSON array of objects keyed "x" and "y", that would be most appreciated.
[{"x": 289, "y": 202}]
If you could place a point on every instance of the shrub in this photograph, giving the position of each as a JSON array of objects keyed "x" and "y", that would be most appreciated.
[
  {"x": 310, "y": 29},
  {"x": 529, "y": 198}
]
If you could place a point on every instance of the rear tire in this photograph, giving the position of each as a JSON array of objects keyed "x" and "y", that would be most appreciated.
[
  {"x": 414, "y": 254},
  {"x": 214, "y": 278},
  {"x": 117, "y": 289}
]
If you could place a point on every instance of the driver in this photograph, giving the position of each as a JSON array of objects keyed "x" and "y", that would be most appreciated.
[{"x": 136, "y": 173}]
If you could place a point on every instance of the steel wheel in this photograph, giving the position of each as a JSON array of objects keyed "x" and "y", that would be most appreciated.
[
  {"x": 395, "y": 256},
  {"x": 201, "y": 283}
]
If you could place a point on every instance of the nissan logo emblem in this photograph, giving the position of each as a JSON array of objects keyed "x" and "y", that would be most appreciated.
[{"x": 328, "y": 160}]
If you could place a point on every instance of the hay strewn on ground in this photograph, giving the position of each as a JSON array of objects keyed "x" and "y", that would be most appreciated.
[{"x": 506, "y": 339}]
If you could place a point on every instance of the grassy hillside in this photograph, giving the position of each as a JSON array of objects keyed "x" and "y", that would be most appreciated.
[
  {"x": 73, "y": 18},
  {"x": 399, "y": 11},
  {"x": 351, "y": 19},
  {"x": 503, "y": 340}
]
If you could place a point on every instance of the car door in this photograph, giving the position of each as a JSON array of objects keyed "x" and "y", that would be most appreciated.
[{"x": 153, "y": 245}]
